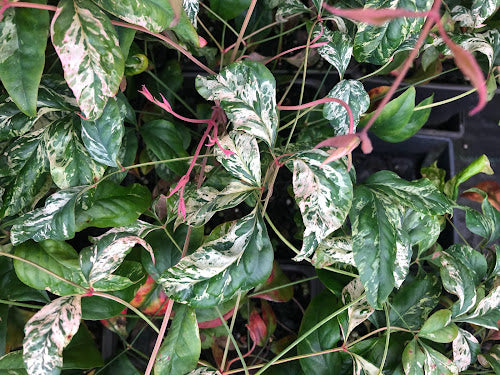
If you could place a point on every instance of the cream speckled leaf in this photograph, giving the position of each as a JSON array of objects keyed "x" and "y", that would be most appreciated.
[
  {"x": 70, "y": 162},
  {"x": 362, "y": 366},
  {"x": 318, "y": 4},
  {"x": 353, "y": 93},
  {"x": 437, "y": 363},
  {"x": 462, "y": 15},
  {"x": 191, "y": 7},
  {"x": 56, "y": 220},
  {"x": 48, "y": 332},
  {"x": 482, "y": 9},
  {"x": 361, "y": 310},
  {"x": 423, "y": 230},
  {"x": 236, "y": 257},
  {"x": 203, "y": 203},
  {"x": 88, "y": 48},
  {"x": 103, "y": 138},
  {"x": 108, "y": 252},
  {"x": 333, "y": 250},
  {"x": 338, "y": 51},
  {"x": 465, "y": 349},
  {"x": 376, "y": 44},
  {"x": 245, "y": 162},
  {"x": 323, "y": 194},
  {"x": 413, "y": 359},
  {"x": 247, "y": 92},
  {"x": 204, "y": 371},
  {"x": 487, "y": 312},
  {"x": 287, "y": 8},
  {"x": 13, "y": 123}
]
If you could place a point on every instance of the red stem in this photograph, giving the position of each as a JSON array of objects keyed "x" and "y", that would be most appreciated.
[{"x": 294, "y": 49}]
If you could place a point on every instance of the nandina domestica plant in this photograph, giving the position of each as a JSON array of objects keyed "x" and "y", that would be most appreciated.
[{"x": 163, "y": 161}]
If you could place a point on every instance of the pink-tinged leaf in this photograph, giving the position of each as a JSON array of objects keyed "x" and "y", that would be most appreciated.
[
  {"x": 117, "y": 324},
  {"x": 257, "y": 328},
  {"x": 268, "y": 316},
  {"x": 373, "y": 16},
  {"x": 177, "y": 8},
  {"x": 48, "y": 332},
  {"x": 217, "y": 321},
  {"x": 275, "y": 279},
  {"x": 344, "y": 145},
  {"x": 150, "y": 298},
  {"x": 366, "y": 144},
  {"x": 202, "y": 42}
]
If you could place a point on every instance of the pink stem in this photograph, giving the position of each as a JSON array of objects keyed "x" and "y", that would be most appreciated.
[
  {"x": 322, "y": 101},
  {"x": 228, "y": 366},
  {"x": 294, "y": 49},
  {"x": 373, "y": 16}
]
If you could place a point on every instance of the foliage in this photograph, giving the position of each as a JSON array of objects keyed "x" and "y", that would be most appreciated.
[{"x": 124, "y": 205}]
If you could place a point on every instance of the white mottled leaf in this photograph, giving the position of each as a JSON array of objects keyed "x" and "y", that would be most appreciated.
[
  {"x": 203, "y": 203},
  {"x": 482, "y": 9},
  {"x": 247, "y": 92},
  {"x": 13, "y": 123},
  {"x": 338, "y": 51},
  {"x": 362, "y": 366},
  {"x": 108, "y": 252},
  {"x": 423, "y": 230},
  {"x": 465, "y": 349},
  {"x": 88, "y": 48},
  {"x": 437, "y": 363},
  {"x": 70, "y": 162},
  {"x": 462, "y": 15},
  {"x": 244, "y": 164},
  {"x": 287, "y": 8},
  {"x": 323, "y": 194},
  {"x": 191, "y": 7},
  {"x": 318, "y": 5},
  {"x": 56, "y": 220},
  {"x": 103, "y": 138},
  {"x": 487, "y": 312},
  {"x": 353, "y": 93},
  {"x": 48, "y": 332},
  {"x": 236, "y": 257},
  {"x": 361, "y": 310},
  {"x": 204, "y": 371},
  {"x": 334, "y": 250}
]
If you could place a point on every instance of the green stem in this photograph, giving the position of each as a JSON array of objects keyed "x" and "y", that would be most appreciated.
[
  {"x": 342, "y": 272},
  {"x": 207, "y": 8},
  {"x": 387, "y": 338},
  {"x": 278, "y": 233},
  {"x": 307, "y": 333},
  {"x": 449, "y": 100},
  {"x": 20, "y": 304},
  {"x": 260, "y": 292}
]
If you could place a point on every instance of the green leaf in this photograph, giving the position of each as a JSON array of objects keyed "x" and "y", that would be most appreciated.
[
  {"x": 277, "y": 278},
  {"x": 465, "y": 349},
  {"x": 13, "y": 363},
  {"x": 164, "y": 142},
  {"x": 413, "y": 359},
  {"x": 361, "y": 310},
  {"x": 493, "y": 358},
  {"x": 97, "y": 308},
  {"x": 416, "y": 298},
  {"x": 338, "y": 51},
  {"x": 23, "y": 32},
  {"x": 353, "y": 93},
  {"x": 439, "y": 328},
  {"x": 423, "y": 230},
  {"x": 244, "y": 164},
  {"x": 107, "y": 253},
  {"x": 120, "y": 365},
  {"x": 126, "y": 156},
  {"x": 82, "y": 351},
  {"x": 376, "y": 44},
  {"x": 102, "y": 138},
  {"x": 487, "y": 312},
  {"x": 12, "y": 289},
  {"x": 480, "y": 165},
  {"x": 111, "y": 205},
  {"x": 487, "y": 224},
  {"x": 236, "y": 257},
  {"x": 436, "y": 363},
  {"x": 13, "y": 122},
  {"x": 88, "y": 48},
  {"x": 55, "y": 93},
  {"x": 472, "y": 259},
  {"x": 229, "y": 9},
  {"x": 181, "y": 349},
  {"x": 324, "y": 196},
  {"x": 56, "y": 220},
  {"x": 325, "y": 337},
  {"x": 247, "y": 92},
  {"x": 381, "y": 248},
  {"x": 203, "y": 203},
  {"x": 70, "y": 162},
  {"x": 24, "y": 173},
  {"x": 55, "y": 256},
  {"x": 419, "y": 195}
]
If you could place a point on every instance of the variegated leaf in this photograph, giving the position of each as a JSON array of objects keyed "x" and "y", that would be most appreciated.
[
  {"x": 422, "y": 229},
  {"x": 24, "y": 173},
  {"x": 236, "y": 257},
  {"x": 333, "y": 250},
  {"x": 56, "y": 220},
  {"x": 462, "y": 15},
  {"x": 353, "y": 93},
  {"x": 487, "y": 312},
  {"x": 103, "y": 138},
  {"x": 465, "y": 349},
  {"x": 437, "y": 363},
  {"x": 191, "y": 7},
  {"x": 324, "y": 196},
  {"x": 244, "y": 164},
  {"x": 439, "y": 328},
  {"x": 204, "y": 371},
  {"x": 338, "y": 51},
  {"x": 482, "y": 9},
  {"x": 420, "y": 195},
  {"x": 23, "y": 38},
  {"x": 318, "y": 5},
  {"x": 48, "y": 332},
  {"x": 376, "y": 44},
  {"x": 247, "y": 92},
  {"x": 88, "y": 48},
  {"x": 203, "y": 203},
  {"x": 70, "y": 162},
  {"x": 13, "y": 123},
  {"x": 413, "y": 359},
  {"x": 363, "y": 367},
  {"x": 361, "y": 310},
  {"x": 108, "y": 252},
  {"x": 287, "y": 8}
]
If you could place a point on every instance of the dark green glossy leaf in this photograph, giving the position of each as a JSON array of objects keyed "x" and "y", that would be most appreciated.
[
  {"x": 120, "y": 365},
  {"x": 181, "y": 348},
  {"x": 325, "y": 337},
  {"x": 88, "y": 48},
  {"x": 487, "y": 224},
  {"x": 70, "y": 162},
  {"x": 82, "y": 351},
  {"x": 12, "y": 363},
  {"x": 23, "y": 32},
  {"x": 12, "y": 289},
  {"x": 98, "y": 308},
  {"x": 472, "y": 259},
  {"x": 236, "y": 257},
  {"x": 229, "y": 9},
  {"x": 56, "y": 256},
  {"x": 102, "y": 138},
  {"x": 126, "y": 155},
  {"x": 439, "y": 328}
]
